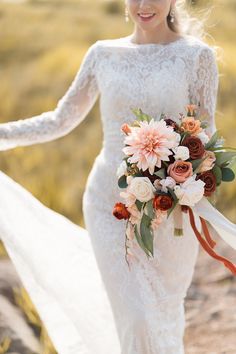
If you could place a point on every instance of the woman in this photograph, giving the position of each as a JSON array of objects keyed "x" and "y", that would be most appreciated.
[{"x": 97, "y": 304}]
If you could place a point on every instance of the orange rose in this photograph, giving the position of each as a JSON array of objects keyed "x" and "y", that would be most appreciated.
[
  {"x": 162, "y": 202},
  {"x": 191, "y": 125},
  {"x": 120, "y": 211},
  {"x": 180, "y": 170}
]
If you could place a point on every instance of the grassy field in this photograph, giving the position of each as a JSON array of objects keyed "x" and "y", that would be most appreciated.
[{"x": 42, "y": 44}]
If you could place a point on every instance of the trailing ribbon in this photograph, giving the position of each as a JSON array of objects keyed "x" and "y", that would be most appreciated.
[{"x": 209, "y": 243}]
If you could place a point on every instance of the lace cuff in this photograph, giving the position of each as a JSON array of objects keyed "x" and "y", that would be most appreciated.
[
  {"x": 204, "y": 86},
  {"x": 71, "y": 110}
]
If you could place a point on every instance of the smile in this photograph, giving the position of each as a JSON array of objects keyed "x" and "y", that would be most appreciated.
[{"x": 146, "y": 17}]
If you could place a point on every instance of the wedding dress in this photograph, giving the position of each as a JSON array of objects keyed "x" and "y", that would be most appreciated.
[{"x": 90, "y": 301}]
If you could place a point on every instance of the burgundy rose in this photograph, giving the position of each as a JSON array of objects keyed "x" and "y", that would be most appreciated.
[
  {"x": 210, "y": 182},
  {"x": 195, "y": 146}
]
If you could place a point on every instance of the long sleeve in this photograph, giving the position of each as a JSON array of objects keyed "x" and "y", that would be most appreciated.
[
  {"x": 204, "y": 86},
  {"x": 71, "y": 109}
]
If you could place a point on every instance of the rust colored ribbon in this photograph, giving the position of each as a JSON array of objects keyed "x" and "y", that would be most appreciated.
[{"x": 209, "y": 243}]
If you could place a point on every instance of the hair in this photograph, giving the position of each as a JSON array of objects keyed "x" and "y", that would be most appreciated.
[{"x": 187, "y": 23}]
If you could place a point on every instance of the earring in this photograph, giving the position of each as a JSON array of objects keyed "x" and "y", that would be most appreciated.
[
  {"x": 172, "y": 14},
  {"x": 126, "y": 15}
]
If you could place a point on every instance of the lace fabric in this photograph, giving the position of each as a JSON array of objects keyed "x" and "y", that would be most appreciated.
[{"x": 147, "y": 299}]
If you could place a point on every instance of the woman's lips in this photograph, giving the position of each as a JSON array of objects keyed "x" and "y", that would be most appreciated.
[{"x": 146, "y": 19}]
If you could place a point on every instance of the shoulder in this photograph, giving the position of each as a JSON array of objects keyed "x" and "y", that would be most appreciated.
[{"x": 200, "y": 48}]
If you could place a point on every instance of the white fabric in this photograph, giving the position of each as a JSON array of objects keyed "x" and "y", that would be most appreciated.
[{"x": 87, "y": 296}]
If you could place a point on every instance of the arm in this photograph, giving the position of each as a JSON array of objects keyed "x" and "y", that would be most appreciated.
[
  {"x": 71, "y": 109},
  {"x": 204, "y": 86}
]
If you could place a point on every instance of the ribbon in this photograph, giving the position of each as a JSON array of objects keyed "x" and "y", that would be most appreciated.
[{"x": 209, "y": 243}]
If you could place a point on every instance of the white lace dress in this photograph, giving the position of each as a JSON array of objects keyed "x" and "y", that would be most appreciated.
[{"x": 88, "y": 298}]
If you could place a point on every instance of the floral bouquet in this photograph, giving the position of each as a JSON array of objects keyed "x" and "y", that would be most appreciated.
[{"x": 169, "y": 166}]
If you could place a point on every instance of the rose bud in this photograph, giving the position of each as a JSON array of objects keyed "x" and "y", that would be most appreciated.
[
  {"x": 162, "y": 202},
  {"x": 195, "y": 146},
  {"x": 210, "y": 182},
  {"x": 120, "y": 211},
  {"x": 191, "y": 109},
  {"x": 172, "y": 123},
  {"x": 125, "y": 128}
]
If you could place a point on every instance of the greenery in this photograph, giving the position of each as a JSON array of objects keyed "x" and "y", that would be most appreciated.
[{"x": 41, "y": 48}]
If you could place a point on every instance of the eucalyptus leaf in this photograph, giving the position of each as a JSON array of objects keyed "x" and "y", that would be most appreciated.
[
  {"x": 161, "y": 173},
  {"x": 196, "y": 163},
  {"x": 139, "y": 204},
  {"x": 218, "y": 174},
  {"x": 122, "y": 183},
  {"x": 223, "y": 157},
  {"x": 172, "y": 208},
  {"x": 172, "y": 193},
  {"x": 145, "y": 232},
  {"x": 150, "y": 209},
  {"x": 212, "y": 141},
  {"x": 140, "y": 241},
  {"x": 227, "y": 175}
]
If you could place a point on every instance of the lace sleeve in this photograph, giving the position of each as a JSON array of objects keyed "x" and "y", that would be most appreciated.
[
  {"x": 71, "y": 109},
  {"x": 204, "y": 86}
]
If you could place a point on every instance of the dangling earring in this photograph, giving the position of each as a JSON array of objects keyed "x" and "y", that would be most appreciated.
[
  {"x": 126, "y": 15},
  {"x": 172, "y": 14}
]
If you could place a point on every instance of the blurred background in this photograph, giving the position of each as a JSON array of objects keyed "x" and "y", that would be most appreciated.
[{"x": 42, "y": 43}]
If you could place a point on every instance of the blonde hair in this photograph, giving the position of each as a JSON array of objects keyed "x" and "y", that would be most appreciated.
[
  {"x": 186, "y": 22},
  {"x": 189, "y": 20}
]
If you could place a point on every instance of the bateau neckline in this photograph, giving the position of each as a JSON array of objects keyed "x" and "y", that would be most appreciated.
[{"x": 128, "y": 41}]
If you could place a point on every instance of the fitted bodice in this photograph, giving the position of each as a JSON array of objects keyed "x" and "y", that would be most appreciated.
[{"x": 158, "y": 78}]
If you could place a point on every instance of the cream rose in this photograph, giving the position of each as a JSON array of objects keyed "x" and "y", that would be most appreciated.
[
  {"x": 209, "y": 162},
  {"x": 190, "y": 192},
  {"x": 181, "y": 153},
  {"x": 142, "y": 188}
]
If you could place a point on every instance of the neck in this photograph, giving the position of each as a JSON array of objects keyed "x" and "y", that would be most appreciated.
[{"x": 159, "y": 34}]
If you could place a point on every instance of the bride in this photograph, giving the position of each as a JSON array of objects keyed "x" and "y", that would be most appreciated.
[{"x": 78, "y": 279}]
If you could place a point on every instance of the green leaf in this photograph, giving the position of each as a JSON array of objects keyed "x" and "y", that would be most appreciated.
[
  {"x": 172, "y": 193},
  {"x": 212, "y": 141},
  {"x": 122, "y": 183},
  {"x": 172, "y": 208},
  {"x": 223, "y": 157},
  {"x": 145, "y": 232},
  {"x": 183, "y": 136},
  {"x": 227, "y": 175},
  {"x": 160, "y": 173},
  {"x": 140, "y": 115},
  {"x": 218, "y": 174},
  {"x": 196, "y": 163},
  {"x": 150, "y": 209},
  {"x": 140, "y": 241},
  {"x": 139, "y": 204},
  {"x": 204, "y": 124},
  {"x": 223, "y": 148}
]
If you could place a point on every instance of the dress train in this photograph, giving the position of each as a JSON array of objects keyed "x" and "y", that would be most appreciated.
[{"x": 55, "y": 261}]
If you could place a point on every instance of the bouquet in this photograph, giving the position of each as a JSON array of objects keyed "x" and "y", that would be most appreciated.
[{"x": 169, "y": 166}]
